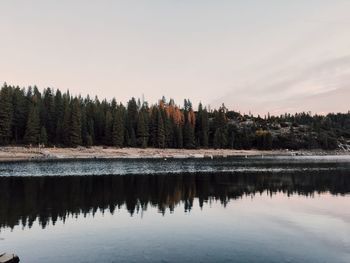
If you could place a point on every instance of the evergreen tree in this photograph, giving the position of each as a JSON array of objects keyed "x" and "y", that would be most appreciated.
[
  {"x": 188, "y": 135},
  {"x": 131, "y": 120},
  {"x": 89, "y": 119},
  {"x": 231, "y": 131},
  {"x": 33, "y": 125},
  {"x": 75, "y": 124},
  {"x": 217, "y": 139},
  {"x": 19, "y": 115},
  {"x": 160, "y": 143},
  {"x": 84, "y": 124},
  {"x": 220, "y": 138},
  {"x": 169, "y": 132},
  {"x": 188, "y": 132},
  {"x": 153, "y": 127},
  {"x": 108, "y": 128},
  {"x": 202, "y": 127},
  {"x": 99, "y": 121},
  {"x": 127, "y": 141},
  {"x": 89, "y": 141},
  {"x": 118, "y": 129},
  {"x": 58, "y": 118},
  {"x": 263, "y": 140},
  {"x": 5, "y": 114},
  {"x": 220, "y": 119},
  {"x": 246, "y": 140},
  {"x": 178, "y": 137},
  {"x": 133, "y": 140},
  {"x": 91, "y": 129},
  {"x": 43, "y": 136},
  {"x": 142, "y": 134},
  {"x": 311, "y": 142},
  {"x": 268, "y": 141},
  {"x": 48, "y": 114},
  {"x": 66, "y": 122}
]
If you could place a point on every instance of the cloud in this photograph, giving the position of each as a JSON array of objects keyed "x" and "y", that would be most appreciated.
[{"x": 296, "y": 88}]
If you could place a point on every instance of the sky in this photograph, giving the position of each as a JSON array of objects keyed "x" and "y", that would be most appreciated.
[{"x": 260, "y": 56}]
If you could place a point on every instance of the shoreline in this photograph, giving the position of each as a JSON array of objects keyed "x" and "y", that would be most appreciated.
[{"x": 18, "y": 153}]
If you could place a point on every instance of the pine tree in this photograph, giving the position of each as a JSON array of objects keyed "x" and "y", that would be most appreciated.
[
  {"x": 190, "y": 122},
  {"x": 202, "y": 127},
  {"x": 160, "y": 132},
  {"x": 66, "y": 121},
  {"x": 126, "y": 137},
  {"x": 5, "y": 114},
  {"x": 216, "y": 141},
  {"x": 131, "y": 121},
  {"x": 89, "y": 141},
  {"x": 84, "y": 123},
  {"x": 220, "y": 119},
  {"x": 58, "y": 118},
  {"x": 188, "y": 134},
  {"x": 179, "y": 137},
  {"x": 220, "y": 138},
  {"x": 19, "y": 115},
  {"x": 269, "y": 141},
  {"x": 118, "y": 129},
  {"x": 48, "y": 118},
  {"x": 132, "y": 111},
  {"x": 263, "y": 140},
  {"x": 91, "y": 129},
  {"x": 99, "y": 122},
  {"x": 169, "y": 133},
  {"x": 43, "y": 136},
  {"x": 133, "y": 140},
  {"x": 142, "y": 134},
  {"x": 231, "y": 134},
  {"x": 311, "y": 141},
  {"x": 33, "y": 125},
  {"x": 108, "y": 128},
  {"x": 246, "y": 140},
  {"x": 75, "y": 127},
  {"x": 153, "y": 127}
]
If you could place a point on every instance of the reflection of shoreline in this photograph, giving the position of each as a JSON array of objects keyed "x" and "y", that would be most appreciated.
[
  {"x": 17, "y": 153},
  {"x": 25, "y": 199}
]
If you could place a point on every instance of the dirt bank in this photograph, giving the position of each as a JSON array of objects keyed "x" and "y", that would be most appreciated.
[{"x": 24, "y": 153}]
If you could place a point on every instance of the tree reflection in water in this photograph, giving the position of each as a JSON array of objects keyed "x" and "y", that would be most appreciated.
[{"x": 48, "y": 199}]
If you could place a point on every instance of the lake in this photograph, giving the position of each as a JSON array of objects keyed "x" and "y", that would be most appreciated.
[{"x": 255, "y": 209}]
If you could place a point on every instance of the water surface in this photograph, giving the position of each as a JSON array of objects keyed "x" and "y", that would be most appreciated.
[{"x": 225, "y": 210}]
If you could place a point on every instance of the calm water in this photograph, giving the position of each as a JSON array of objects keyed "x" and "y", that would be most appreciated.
[{"x": 221, "y": 210}]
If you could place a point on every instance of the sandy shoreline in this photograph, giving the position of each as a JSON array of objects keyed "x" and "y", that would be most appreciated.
[{"x": 22, "y": 153}]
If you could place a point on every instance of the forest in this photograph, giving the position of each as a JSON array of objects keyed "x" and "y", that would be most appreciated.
[{"x": 50, "y": 117}]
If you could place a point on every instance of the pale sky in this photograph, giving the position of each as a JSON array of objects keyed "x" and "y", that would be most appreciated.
[{"x": 258, "y": 55}]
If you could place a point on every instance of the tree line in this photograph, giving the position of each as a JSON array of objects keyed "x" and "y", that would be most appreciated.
[{"x": 55, "y": 118}]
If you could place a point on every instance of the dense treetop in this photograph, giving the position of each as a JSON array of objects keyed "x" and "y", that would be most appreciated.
[{"x": 50, "y": 117}]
